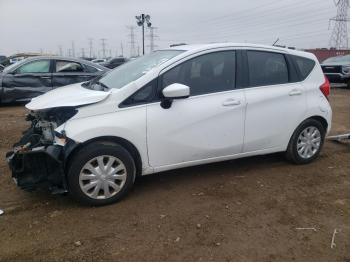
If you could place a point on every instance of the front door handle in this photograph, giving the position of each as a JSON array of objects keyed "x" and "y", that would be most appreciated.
[
  {"x": 295, "y": 92},
  {"x": 45, "y": 77},
  {"x": 231, "y": 102}
]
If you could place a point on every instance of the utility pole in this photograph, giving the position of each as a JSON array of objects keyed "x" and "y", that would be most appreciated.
[
  {"x": 152, "y": 37},
  {"x": 339, "y": 37},
  {"x": 132, "y": 40},
  {"x": 73, "y": 49},
  {"x": 121, "y": 49},
  {"x": 141, "y": 20},
  {"x": 90, "y": 47},
  {"x": 103, "y": 43}
]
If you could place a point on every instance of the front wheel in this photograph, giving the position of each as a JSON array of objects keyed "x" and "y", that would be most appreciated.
[
  {"x": 306, "y": 142},
  {"x": 101, "y": 173}
]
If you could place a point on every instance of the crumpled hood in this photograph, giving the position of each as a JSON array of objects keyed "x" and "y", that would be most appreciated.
[{"x": 71, "y": 95}]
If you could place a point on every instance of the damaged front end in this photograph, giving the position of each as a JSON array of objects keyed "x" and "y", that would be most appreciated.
[{"x": 38, "y": 159}]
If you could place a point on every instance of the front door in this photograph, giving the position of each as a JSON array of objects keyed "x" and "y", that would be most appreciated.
[
  {"x": 27, "y": 81},
  {"x": 207, "y": 125}
]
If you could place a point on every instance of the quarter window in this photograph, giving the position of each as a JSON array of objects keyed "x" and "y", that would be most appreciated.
[
  {"x": 40, "y": 66},
  {"x": 68, "y": 66},
  {"x": 209, "y": 73},
  {"x": 304, "y": 65},
  {"x": 267, "y": 68}
]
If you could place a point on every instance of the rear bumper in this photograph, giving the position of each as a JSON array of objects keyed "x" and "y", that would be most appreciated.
[{"x": 38, "y": 167}]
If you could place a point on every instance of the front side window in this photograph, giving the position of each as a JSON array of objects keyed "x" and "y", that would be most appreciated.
[
  {"x": 68, "y": 66},
  {"x": 209, "y": 73},
  {"x": 267, "y": 68},
  {"x": 40, "y": 66},
  {"x": 135, "y": 69}
]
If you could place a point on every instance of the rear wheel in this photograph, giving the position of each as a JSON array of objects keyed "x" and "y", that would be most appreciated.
[
  {"x": 306, "y": 142},
  {"x": 101, "y": 173}
]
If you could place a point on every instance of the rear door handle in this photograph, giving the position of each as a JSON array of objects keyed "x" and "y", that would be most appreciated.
[
  {"x": 295, "y": 92},
  {"x": 231, "y": 102},
  {"x": 46, "y": 77}
]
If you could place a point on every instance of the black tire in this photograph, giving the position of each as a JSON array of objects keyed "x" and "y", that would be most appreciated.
[
  {"x": 92, "y": 151},
  {"x": 348, "y": 84},
  {"x": 292, "y": 154}
]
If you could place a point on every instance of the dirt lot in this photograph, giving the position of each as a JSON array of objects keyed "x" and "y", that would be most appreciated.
[{"x": 242, "y": 210}]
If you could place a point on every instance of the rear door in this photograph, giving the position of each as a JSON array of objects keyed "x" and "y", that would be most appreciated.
[
  {"x": 69, "y": 72},
  {"x": 276, "y": 101},
  {"x": 27, "y": 81}
]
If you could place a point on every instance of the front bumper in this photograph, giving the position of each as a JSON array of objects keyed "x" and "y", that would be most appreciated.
[{"x": 38, "y": 167}]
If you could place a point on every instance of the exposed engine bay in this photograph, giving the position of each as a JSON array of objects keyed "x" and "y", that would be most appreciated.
[{"x": 39, "y": 156}]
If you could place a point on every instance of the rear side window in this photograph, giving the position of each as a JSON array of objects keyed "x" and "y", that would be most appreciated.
[
  {"x": 267, "y": 68},
  {"x": 68, "y": 67},
  {"x": 304, "y": 66}
]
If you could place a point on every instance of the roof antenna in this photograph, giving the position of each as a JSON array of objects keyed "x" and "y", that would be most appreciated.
[{"x": 276, "y": 42}]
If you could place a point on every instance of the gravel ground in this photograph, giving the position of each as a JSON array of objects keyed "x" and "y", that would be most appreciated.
[{"x": 242, "y": 210}]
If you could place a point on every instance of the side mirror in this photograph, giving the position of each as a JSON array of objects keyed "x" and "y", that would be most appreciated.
[{"x": 174, "y": 91}]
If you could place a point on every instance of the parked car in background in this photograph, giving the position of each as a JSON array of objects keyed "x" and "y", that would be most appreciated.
[
  {"x": 173, "y": 108},
  {"x": 37, "y": 75},
  {"x": 2, "y": 58},
  {"x": 114, "y": 62},
  {"x": 99, "y": 60},
  {"x": 2, "y": 67},
  {"x": 337, "y": 69}
]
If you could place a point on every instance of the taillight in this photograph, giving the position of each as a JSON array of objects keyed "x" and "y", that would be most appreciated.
[{"x": 326, "y": 87}]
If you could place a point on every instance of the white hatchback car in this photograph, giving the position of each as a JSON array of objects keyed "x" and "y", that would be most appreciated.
[{"x": 173, "y": 108}]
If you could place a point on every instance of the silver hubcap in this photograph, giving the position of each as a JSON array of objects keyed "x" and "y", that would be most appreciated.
[
  {"x": 309, "y": 142},
  {"x": 102, "y": 177}
]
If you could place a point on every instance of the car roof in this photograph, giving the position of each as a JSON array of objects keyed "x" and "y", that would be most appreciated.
[{"x": 193, "y": 48}]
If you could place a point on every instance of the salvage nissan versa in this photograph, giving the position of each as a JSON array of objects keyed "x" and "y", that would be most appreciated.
[{"x": 178, "y": 107}]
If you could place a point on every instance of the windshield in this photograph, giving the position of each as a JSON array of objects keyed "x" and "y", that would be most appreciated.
[
  {"x": 345, "y": 58},
  {"x": 134, "y": 69}
]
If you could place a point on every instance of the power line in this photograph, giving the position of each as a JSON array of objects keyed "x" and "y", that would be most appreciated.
[{"x": 339, "y": 38}]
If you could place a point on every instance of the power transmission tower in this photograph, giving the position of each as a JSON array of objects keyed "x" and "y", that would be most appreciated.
[
  {"x": 103, "y": 43},
  {"x": 339, "y": 37},
  {"x": 132, "y": 40},
  {"x": 60, "y": 50},
  {"x": 152, "y": 36},
  {"x": 83, "y": 52},
  {"x": 121, "y": 49},
  {"x": 90, "y": 47},
  {"x": 73, "y": 49}
]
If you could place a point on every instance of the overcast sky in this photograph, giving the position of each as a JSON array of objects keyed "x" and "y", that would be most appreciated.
[{"x": 34, "y": 25}]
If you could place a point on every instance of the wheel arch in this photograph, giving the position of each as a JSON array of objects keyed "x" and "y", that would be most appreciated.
[
  {"x": 318, "y": 118},
  {"x": 131, "y": 148}
]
